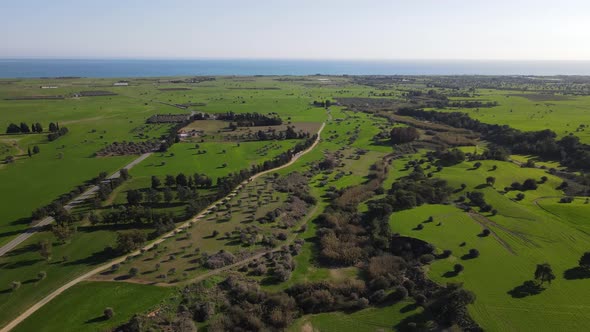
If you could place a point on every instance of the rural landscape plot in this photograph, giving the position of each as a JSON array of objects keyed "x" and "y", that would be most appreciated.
[{"x": 312, "y": 203}]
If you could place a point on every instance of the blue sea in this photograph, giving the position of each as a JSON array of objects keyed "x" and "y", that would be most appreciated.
[{"x": 22, "y": 68}]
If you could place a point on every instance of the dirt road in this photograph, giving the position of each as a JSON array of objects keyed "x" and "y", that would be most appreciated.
[
  {"x": 76, "y": 201},
  {"x": 105, "y": 266}
]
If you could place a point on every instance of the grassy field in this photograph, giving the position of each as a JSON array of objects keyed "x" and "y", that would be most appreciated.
[
  {"x": 523, "y": 234},
  {"x": 529, "y": 111},
  {"x": 73, "y": 311},
  {"x": 367, "y": 320}
]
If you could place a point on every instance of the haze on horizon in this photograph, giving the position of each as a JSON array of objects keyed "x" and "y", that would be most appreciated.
[{"x": 304, "y": 29}]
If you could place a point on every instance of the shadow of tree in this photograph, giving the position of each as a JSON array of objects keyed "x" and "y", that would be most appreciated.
[
  {"x": 96, "y": 320},
  {"x": 528, "y": 288},
  {"x": 576, "y": 273},
  {"x": 450, "y": 274}
]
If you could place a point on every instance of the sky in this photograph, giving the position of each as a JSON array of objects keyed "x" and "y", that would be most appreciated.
[{"x": 299, "y": 29}]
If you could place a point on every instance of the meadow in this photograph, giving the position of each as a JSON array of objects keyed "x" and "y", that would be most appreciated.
[{"x": 524, "y": 230}]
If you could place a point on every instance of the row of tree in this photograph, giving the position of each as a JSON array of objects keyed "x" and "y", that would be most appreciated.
[
  {"x": 251, "y": 119},
  {"x": 23, "y": 128},
  {"x": 544, "y": 143}
]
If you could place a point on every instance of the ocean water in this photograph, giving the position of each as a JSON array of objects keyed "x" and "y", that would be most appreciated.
[{"x": 21, "y": 68}]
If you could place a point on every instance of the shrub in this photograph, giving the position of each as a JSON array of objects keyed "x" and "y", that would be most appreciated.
[
  {"x": 108, "y": 313},
  {"x": 567, "y": 199},
  {"x": 133, "y": 271},
  {"x": 426, "y": 259}
]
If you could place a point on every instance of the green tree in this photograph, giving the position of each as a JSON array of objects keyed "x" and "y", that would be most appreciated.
[
  {"x": 168, "y": 196},
  {"x": 490, "y": 180},
  {"x": 24, "y": 128},
  {"x": 153, "y": 196},
  {"x": 108, "y": 313},
  {"x": 155, "y": 182},
  {"x": 129, "y": 241},
  {"x": 544, "y": 273},
  {"x": 585, "y": 260},
  {"x": 181, "y": 180},
  {"x": 62, "y": 232},
  {"x": 36, "y": 149},
  {"x": 13, "y": 129},
  {"x": 134, "y": 197},
  {"x": 170, "y": 181},
  {"x": 45, "y": 249}
]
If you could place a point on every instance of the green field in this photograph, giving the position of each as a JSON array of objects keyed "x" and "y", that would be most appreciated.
[
  {"x": 73, "y": 311},
  {"x": 525, "y": 231}
]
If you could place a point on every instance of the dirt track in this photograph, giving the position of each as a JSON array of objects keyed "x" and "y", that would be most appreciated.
[{"x": 105, "y": 266}]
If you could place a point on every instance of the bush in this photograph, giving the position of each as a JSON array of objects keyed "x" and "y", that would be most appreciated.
[
  {"x": 426, "y": 259},
  {"x": 420, "y": 299},
  {"x": 108, "y": 313},
  {"x": 378, "y": 296},
  {"x": 529, "y": 184},
  {"x": 567, "y": 199},
  {"x": 133, "y": 271}
]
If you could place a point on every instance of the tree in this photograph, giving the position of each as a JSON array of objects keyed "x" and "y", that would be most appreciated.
[
  {"x": 62, "y": 231},
  {"x": 45, "y": 249},
  {"x": 168, "y": 196},
  {"x": 400, "y": 135},
  {"x": 458, "y": 268},
  {"x": 544, "y": 273},
  {"x": 29, "y": 152},
  {"x": 477, "y": 165},
  {"x": 36, "y": 149},
  {"x": 38, "y": 128},
  {"x": 490, "y": 180},
  {"x": 24, "y": 128},
  {"x": 108, "y": 313},
  {"x": 124, "y": 173},
  {"x": 155, "y": 182},
  {"x": 585, "y": 260},
  {"x": 129, "y": 241},
  {"x": 133, "y": 271},
  {"x": 13, "y": 129},
  {"x": 473, "y": 253},
  {"x": 529, "y": 184},
  {"x": 134, "y": 197},
  {"x": 153, "y": 196},
  {"x": 181, "y": 180},
  {"x": 170, "y": 181},
  {"x": 53, "y": 127},
  {"x": 15, "y": 285},
  {"x": 41, "y": 275}
]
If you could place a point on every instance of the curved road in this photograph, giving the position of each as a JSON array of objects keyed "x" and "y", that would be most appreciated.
[
  {"x": 76, "y": 201},
  {"x": 105, "y": 266}
]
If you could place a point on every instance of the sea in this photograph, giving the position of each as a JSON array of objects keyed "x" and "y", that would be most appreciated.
[{"x": 35, "y": 68}]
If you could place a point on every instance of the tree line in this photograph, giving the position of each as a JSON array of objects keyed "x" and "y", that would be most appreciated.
[
  {"x": 251, "y": 119},
  {"x": 37, "y": 127},
  {"x": 544, "y": 143}
]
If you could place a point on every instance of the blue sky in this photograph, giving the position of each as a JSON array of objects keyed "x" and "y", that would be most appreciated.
[{"x": 302, "y": 29}]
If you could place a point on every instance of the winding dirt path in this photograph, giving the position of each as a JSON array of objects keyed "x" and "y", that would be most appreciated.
[{"x": 105, "y": 266}]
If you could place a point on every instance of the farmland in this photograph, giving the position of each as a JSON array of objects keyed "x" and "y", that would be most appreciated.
[{"x": 314, "y": 203}]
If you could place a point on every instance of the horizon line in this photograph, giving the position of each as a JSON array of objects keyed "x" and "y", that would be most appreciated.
[{"x": 283, "y": 59}]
